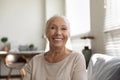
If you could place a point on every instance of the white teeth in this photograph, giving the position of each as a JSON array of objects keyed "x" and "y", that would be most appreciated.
[{"x": 58, "y": 39}]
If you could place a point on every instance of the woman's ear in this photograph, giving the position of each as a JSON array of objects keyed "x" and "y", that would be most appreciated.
[{"x": 46, "y": 33}]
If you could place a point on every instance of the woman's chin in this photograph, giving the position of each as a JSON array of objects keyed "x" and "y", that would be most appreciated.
[{"x": 58, "y": 46}]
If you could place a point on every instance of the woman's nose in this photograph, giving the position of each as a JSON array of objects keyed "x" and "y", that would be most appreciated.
[{"x": 58, "y": 32}]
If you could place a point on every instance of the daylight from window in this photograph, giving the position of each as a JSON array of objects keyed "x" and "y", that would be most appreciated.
[{"x": 79, "y": 16}]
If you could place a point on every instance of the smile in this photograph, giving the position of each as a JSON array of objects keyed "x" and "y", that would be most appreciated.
[{"x": 58, "y": 39}]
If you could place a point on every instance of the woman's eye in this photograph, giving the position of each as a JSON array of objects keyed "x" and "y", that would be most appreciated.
[
  {"x": 52, "y": 27},
  {"x": 64, "y": 28}
]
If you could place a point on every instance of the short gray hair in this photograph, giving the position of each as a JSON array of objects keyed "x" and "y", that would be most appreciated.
[{"x": 57, "y": 16}]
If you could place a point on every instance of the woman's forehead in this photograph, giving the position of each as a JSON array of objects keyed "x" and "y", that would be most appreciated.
[{"x": 58, "y": 19}]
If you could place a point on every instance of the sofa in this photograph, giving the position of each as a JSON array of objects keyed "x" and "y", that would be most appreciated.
[{"x": 103, "y": 67}]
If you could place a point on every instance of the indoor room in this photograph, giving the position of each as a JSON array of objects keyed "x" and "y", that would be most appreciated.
[{"x": 94, "y": 32}]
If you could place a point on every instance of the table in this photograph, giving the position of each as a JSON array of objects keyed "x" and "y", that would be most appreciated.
[{"x": 27, "y": 54}]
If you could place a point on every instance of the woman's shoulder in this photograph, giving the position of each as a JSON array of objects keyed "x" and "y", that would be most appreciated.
[
  {"x": 75, "y": 53},
  {"x": 38, "y": 56}
]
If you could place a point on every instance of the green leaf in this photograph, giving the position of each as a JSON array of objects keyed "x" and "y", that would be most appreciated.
[{"x": 4, "y": 39}]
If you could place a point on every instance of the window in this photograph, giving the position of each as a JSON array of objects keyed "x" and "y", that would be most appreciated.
[
  {"x": 78, "y": 13},
  {"x": 112, "y": 27}
]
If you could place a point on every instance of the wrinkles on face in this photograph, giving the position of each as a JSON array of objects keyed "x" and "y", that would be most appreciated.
[{"x": 57, "y": 32}]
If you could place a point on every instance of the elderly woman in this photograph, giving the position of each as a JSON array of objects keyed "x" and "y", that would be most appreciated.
[{"x": 59, "y": 63}]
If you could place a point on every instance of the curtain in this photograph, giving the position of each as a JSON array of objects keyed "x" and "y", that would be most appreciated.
[{"x": 112, "y": 27}]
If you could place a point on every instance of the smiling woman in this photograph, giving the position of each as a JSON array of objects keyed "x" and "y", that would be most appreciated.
[
  {"x": 59, "y": 62},
  {"x": 54, "y": 26}
]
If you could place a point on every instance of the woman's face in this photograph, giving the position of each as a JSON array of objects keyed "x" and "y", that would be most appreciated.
[{"x": 57, "y": 32}]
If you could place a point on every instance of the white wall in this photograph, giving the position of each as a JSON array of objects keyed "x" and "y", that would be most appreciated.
[
  {"x": 22, "y": 22},
  {"x": 54, "y": 7}
]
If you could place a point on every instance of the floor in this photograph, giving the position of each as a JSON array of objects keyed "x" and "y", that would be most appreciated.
[
  {"x": 16, "y": 78},
  {"x": 11, "y": 79}
]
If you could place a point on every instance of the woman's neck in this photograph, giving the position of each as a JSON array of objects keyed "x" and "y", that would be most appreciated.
[
  {"x": 58, "y": 50},
  {"x": 56, "y": 55}
]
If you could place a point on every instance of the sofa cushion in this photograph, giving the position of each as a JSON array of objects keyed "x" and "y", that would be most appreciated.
[{"x": 104, "y": 67}]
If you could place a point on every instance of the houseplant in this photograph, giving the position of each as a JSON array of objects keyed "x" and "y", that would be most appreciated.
[
  {"x": 31, "y": 47},
  {"x": 6, "y": 46},
  {"x": 4, "y": 39}
]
